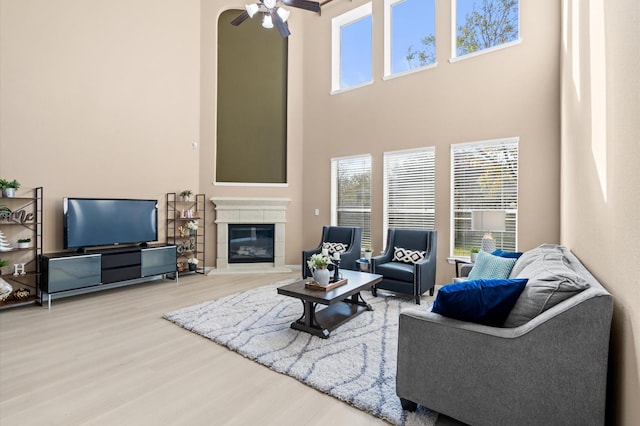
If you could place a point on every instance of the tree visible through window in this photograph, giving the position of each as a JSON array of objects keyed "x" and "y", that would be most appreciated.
[
  {"x": 485, "y": 177},
  {"x": 409, "y": 35},
  {"x": 409, "y": 190},
  {"x": 482, "y": 24},
  {"x": 351, "y": 194}
]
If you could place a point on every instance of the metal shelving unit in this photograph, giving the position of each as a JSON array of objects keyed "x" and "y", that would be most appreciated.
[
  {"x": 21, "y": 217},
  {"x": 190, "y": 244}
]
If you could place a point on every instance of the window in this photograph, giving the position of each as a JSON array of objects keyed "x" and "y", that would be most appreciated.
[
  {"x": 409, "y": 190},
  {"x": 351, "y": 38},
  {"x": 484, "y": 177},
  {"x": 351, "y": 194},
  {"x": 409, "y": 35},
  {"x": 484, "y": 25}
]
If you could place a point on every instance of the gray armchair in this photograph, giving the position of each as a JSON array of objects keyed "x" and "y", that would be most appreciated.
[
  {"x": 408, "y": 278},
  {"x": 348, "y": 235}
]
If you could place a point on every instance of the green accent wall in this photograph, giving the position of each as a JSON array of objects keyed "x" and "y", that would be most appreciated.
[{"x": 251, "y": 139}]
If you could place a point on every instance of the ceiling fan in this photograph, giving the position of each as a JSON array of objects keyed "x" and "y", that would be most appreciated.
[{"x": 274, "y": 14}]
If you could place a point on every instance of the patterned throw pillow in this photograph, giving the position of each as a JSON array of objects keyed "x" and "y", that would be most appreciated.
[
  {"x": 334, "y": 247},
  {"x": 407, "y": 256},
  {"x": 488, "y": 266}
]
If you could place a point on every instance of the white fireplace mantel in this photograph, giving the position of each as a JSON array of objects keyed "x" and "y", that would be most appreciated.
[{"x": 253, "y": 210}]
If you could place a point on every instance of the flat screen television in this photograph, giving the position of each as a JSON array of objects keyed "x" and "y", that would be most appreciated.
[{"x": 92, "y": 222}]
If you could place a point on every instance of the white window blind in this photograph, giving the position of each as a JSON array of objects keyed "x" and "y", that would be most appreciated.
[
  {"x": 484, "y": 177},
  {"x": 351, "y": 194},
  {"x": 409, "y": 190}
]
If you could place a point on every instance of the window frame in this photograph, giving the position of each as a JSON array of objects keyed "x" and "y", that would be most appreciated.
[
  {"x": 337, "y": 23},
  {"x": 335, "y": 187},
  {"x": 426, "y": 169},
  {"x": 454, "y": 38},
  {"x": 511, "y": 210},
  {"x": 388, "y": 38}
]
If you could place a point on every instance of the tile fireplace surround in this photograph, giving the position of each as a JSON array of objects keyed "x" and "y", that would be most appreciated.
[{"x": 254, "y": 210}]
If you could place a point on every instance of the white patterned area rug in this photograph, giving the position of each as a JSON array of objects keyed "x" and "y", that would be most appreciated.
[{"x": 356, "y": 364}]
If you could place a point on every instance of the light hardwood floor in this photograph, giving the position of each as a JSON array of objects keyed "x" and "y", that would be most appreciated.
[{"x": 108, "y": 358}]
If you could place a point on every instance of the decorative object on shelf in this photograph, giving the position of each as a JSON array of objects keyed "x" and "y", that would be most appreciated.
[
  {"x": 186, "y": 194},
  {"x": 193, "y": 264},
  {"x": 4, "y": 244},
  {"x": 18, "y": 269},
  {"x": 9, "y": 188},
  {"x": 182, "y": 231},
  {"x": 5, "y": 289},
  {"x": 192, "y": 225},
  {"x": 21, "y": 293},
  {"x": 317, "y": 264},
  {"x": 180, "y": 266},
  {"x": 488, "y": 221},
  {"x": 24, "y": 243},
  {"x": 473, "y": 254}
]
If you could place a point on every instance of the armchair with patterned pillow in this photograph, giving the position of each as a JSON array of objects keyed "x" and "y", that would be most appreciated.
[
  {"x": 408, "y": 264},
  {"x": 345, "y": 240}
]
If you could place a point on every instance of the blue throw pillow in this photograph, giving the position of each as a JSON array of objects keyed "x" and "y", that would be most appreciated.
[
  {"x": 485, "y": 302},
  {"x": 509, "y": 254},
  {"x": 488, "y": 266}
]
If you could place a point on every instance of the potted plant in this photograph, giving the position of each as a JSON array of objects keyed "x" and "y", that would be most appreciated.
[
  {"x": 317, "y": 264},
  {"x": 3, "y": 263},
  {"x": 24, "y": 242},
  {"x": 186, "y": 194},
  {"x": 193, "y": 263},
  {"x": 9, "y": 188},
  {"x": 367, "y": 253},
  {"x": 192, "y": 225},
  {"x": 474, "y": 253}
]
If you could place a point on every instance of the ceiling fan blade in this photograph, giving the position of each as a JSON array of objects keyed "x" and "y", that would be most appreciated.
[
  {"x": 240, "y": 18},
  {"x": 313, "y": 6},
  {"x": 282, "y": 26}
]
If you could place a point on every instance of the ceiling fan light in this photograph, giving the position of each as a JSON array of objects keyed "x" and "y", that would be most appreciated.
[
  {"x": 267, "y": 22},
  {"x": 252, "y": 9},
  {"x": 283, "y": 14},
  {"x": 269, "y": 4}
]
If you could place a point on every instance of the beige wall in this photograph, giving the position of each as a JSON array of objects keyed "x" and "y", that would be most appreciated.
[
  {"x": 600, "y": 179},
  {"x": 99, "y": 99},
  {"x": 511, "y": 92}
]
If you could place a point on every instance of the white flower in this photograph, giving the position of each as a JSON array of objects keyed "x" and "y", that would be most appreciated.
[
  {"x": 318, "y": 260},
  {"x": 192, "y": 224},
  {"x": 193, "y": 261}
]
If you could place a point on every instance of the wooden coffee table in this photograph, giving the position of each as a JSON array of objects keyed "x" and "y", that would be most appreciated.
[{"x": 342, "y": 303}]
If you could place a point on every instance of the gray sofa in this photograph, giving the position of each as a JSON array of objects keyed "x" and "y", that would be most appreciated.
[{"x": 551, "y": 370}]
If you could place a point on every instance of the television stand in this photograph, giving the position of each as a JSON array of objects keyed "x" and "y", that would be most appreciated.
[{"x": 71, "y": 273}]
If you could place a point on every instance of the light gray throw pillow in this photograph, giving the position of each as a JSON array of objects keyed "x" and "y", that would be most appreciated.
[{"x": 551, "y": 281}]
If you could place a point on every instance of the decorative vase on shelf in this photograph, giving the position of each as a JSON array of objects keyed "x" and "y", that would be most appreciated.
[
  {"x": 321, "y": 275},
  {"x": 192, "y": 266}
]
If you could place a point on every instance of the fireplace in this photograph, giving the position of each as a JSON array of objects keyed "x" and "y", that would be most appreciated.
[
  {"x": 243, "y": 252},
  {"x": 250, "y": 243}
]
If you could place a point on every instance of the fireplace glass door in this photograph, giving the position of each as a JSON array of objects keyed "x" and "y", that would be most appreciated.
[{"x": 251, "y": 243}]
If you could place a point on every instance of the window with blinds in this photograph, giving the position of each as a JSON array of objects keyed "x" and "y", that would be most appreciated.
[
  {"x": 409, "y": 190},
  {"x": 484, "y": 177},
  {"x": 351, "y": 194}
]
